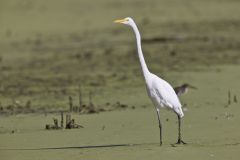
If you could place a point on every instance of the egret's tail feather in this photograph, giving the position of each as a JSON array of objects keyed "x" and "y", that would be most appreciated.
[{"x": 179, "y": 112}]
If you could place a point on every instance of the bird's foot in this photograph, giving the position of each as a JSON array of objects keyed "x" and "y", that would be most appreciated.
[
  {"x": 180, "y": 142},
  {"x": 161, "y": 143}
]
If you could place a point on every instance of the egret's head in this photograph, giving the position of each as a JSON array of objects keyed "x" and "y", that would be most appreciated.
[{"x": 127, "y": 21}]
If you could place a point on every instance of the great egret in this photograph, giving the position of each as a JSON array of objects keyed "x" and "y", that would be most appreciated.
[
  {"x": 159, "y": 91},
  {"x": 183, "y": 89}
]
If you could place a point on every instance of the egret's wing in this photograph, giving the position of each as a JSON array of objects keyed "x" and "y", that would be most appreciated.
[{"x": 167, "y": 95}]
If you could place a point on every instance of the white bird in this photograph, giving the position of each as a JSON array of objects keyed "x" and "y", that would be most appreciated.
[{"x": 159, "y": 91}]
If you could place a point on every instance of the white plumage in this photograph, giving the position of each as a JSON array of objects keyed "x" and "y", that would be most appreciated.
[
  {"x": 159, "y": 91},
  {"x": 163, "y": 95}
]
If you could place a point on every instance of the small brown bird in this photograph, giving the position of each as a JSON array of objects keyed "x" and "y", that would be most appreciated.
[{"x": 183, "y": 89}]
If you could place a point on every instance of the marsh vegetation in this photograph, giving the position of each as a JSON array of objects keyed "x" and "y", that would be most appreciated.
[{"x": 49, "y": 48}]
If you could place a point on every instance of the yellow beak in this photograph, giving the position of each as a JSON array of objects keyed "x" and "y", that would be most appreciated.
[{"x": 120, "y": 21}]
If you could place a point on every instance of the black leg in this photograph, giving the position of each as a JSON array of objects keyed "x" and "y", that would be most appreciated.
[
  {"x": 160, "y": 126},
  {"x": 180, "y": 141}
]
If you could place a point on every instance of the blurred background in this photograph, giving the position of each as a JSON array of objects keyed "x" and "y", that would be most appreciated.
[
  {"x": 49, "y": 48},
  {"x": 69, "y": 56}
]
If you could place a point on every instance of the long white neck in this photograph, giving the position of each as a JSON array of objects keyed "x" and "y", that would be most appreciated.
[{"x": 140, "y": 53}]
